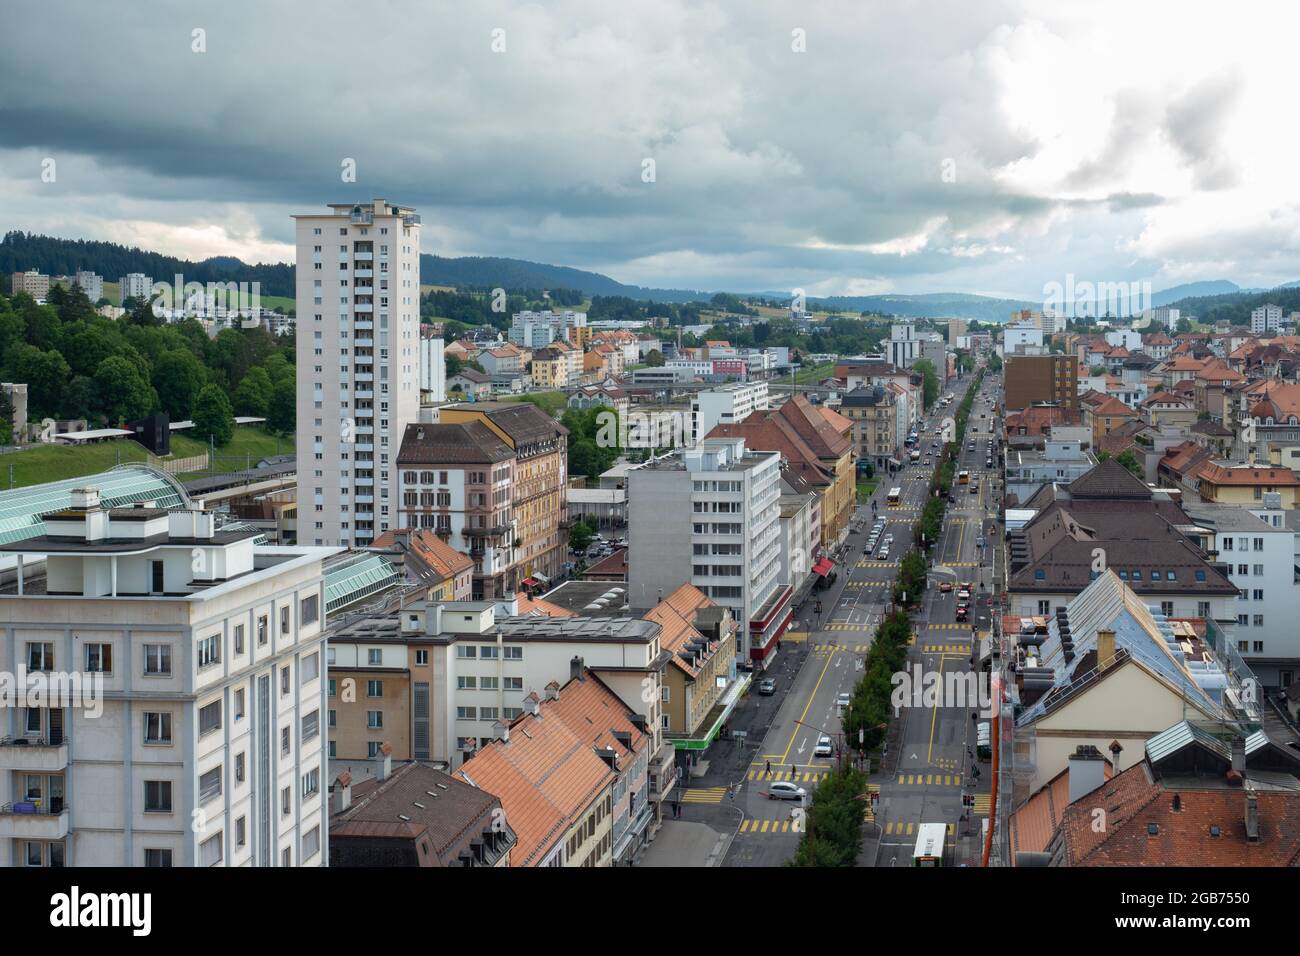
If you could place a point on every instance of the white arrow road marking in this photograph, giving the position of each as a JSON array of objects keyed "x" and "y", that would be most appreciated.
[{"x": 802, "y": 744}]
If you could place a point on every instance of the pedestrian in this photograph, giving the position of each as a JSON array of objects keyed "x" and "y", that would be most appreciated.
[
  {"x": 792, "y": 772},
  {"x": 768, "y": 770}
]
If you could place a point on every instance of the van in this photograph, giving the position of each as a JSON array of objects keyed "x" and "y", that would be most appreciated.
[{"x": 983, "y": 740}]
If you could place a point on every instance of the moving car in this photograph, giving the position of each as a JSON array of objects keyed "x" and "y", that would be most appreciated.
[
  {"x": 979, "y": 542},
  {"x": 945, "y": 586},
  {"x": 988, "y": 463},
  {"x": 963, "y": 593},
  {"x": 842, "y": 702},
  {"x": 883, "y": 553},
  {"x": 962, "y": 612},
  {"x": 767, "y": 687},
  {"x": 824, "y": 747},
  {"x": 782, "y": 790},
  {"x": 975, "y": 488}
]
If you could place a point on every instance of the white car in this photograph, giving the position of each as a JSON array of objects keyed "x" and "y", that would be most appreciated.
[
  {"x": 842, "y": 700},
  {"x": 782, "y": 790},
  {"x": 824, "y": 747}
]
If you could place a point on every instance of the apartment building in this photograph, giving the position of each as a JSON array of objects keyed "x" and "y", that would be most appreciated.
[
  {"x": 540, "y": 483},
  {"x": 730, "y": 532},
  {"x": 550, "y": 369},
  {"x": 904, "y": 344},
  {"x": 89, "y": 283},
  {"x": 725, "y": 406},
  {"x": 1265, "y": 319},
  {"x": 534, "y": 330},
  {"x": 1053, "y": 379},
  {"x": 134, "y": 285},
  {"x": 455, "y": 479},
  {"x": 16, "y": 392},
  {"x": 200, "y": 744},
  {"x": 34, "y": 283},
  {"x": 878, "y": 428},
  {"x": 433, "y": 367},
  {"x": 358, "y": 346},
  {"x": 1257, "y": 548},
  {"x": 572, "y": 776}
]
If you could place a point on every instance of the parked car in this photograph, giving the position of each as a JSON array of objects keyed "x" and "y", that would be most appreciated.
[
  {"x": 782, "y": 790},
  {"x": 767, "y": 687},
  {"x": 842, "y": 701},
  {"x": 824, "y": 747}
]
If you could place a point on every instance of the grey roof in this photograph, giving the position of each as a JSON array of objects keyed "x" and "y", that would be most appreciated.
[
  {"x": 613, "y": 630},
  {"x": 1109, "y": 479}
]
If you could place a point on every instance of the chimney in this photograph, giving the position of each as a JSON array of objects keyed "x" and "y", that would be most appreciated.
[
  {"x": 1087, "y": 771},
  {"x": 1252, "y": 815},
  {"x": 1237, "y": 772},
  {"x": 1115, "y": 751},
  {"x": 553, "y": 691},
  {"x": 575, "y": 668},
  {"x": 501, "y": 731},
  {"x": 343, "y": 792},
  {"x": 532, "y": 704},
  {"x": 385, "y": 760},
  {"x": 1105, "y": 649}
]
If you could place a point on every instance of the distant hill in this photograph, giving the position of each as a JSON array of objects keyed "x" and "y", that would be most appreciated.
[
  {"x": 1193, "y": 290},
  {"x": 20, "y": 251},
  {"x": 490, "y": 272},
  {"x": 957, "y": 305}
]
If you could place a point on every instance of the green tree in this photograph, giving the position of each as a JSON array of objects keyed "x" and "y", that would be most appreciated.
[
  {"x": 79, "y": 399},
  {"x": 178, "y": 376},
  {"x": 45, "y": 373},
  {"x": 282, "y": 416},
  {"x": 579, "y": 536},
  {"x": 453, "y": 365},
  {"x": 995, "y": 362},
  {"x": 929, "y": 379},
  {"x": 6, "y": 419},
  {"x": 214, "y": 420},
  {"x": 253, "y": 396},
  {"x": 654, "y": 359},
  {"x": 123, "y": 393}
]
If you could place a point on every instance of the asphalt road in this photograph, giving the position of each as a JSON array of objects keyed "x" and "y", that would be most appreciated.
[
  {"x": 936, "y": 763},
  {"x": 767, "y": 831}
]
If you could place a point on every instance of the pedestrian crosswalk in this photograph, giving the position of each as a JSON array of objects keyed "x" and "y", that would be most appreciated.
[
  {"x": 845, "y": 626},
  {"x": 947, "y": 763},
  {"x": 982, "y": 804},
  {"x": 877, "y": 564},
  {"x": 929, "y": 780},
  {"x": 909, "y": 829},
  {"x": 946, "y": 649},
  {"x": 961, "y": 564},
  {"x": 705, "y": 795},
  {"x": 799, "y": 776},
  {"x": 790, "y": 824},
  {"x": 869, "y": 584},
  {"x": 829, "y": 648},
  {"x": 949, "y": 627}
]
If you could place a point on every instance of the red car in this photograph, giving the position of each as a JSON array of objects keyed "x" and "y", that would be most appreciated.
[{"x": 962, "y": 612}]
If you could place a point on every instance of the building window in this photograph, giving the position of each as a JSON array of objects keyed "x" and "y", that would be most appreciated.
[
  {"x": 286, "y": 857},
  {"x": 513, "y": 653},
  {"x": 1167, "y": 608},
  {"x": 239, "y": 638},
  {"x": 239, "y": 767},
  {"x": 99, "y": 658},
  {"x": 309, "y": 609},
  {"x": 467, "y": 713},
  {"x": 157, "y": 796},
  {"x": 286, "y": 801},
  {"x": 210, "y": 853},
  {"x": 374, "y": 688},
  {"x": 374, "y": 656},
  {"x": 241, "y": 830},
  {"x": 285, "y": 680},
  {"x": 311, "y": 843},
  {"x": 210, "y": 785},
  {"x": 210, "y": 718},
  {"x": 157, "y": 727},
  {"x": 284, "y": 621},
  {"x": 40, "y": 657},
  {"x": 157, "y": 857},
  {"x": 209, "y": 651},
  {"x": 311, "y": 783},
  {"x": 284, "y": 741},
  {"x": 311, "y": 726},
  {"x": 310, "y": 668},
  {"x": 261, "y": 630},
  {"x": 239, "y": 703},
  {"x": 421, "y": 658},
  {"x": 157, "y": 659},
  {"x": 375, "y": 719}
]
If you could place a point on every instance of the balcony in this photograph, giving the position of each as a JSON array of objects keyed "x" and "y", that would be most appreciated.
[
  {"x": 363, "y": 307},
  {"x": 364, "y": 273},
  {"x": 363, "y": 256},
  {"x": 33, "y": 820},
  {"x": 663, "y": 771},
  {"x": 33, "y": 755}
]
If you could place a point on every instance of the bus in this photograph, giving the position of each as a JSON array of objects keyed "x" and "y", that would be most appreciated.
[
  {"x": 895, "y": 495},
  {"x": 929, "y": 844},
  {"x": 916, "y": 455},
  {"x": 963, "y": 477}
]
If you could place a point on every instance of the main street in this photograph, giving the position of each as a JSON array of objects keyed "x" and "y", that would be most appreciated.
[
  {"x": 936, "y": 763},
  {"x": 767, "y": 831}
]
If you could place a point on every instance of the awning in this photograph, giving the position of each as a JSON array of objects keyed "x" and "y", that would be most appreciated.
[
  {"x": 541, "y": 578},
  {"x": 823, "y": 567},
  {"x": 530, "y": 582}
]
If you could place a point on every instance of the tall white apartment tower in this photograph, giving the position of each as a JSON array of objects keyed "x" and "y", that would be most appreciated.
[{"x": 358, "y": 338}]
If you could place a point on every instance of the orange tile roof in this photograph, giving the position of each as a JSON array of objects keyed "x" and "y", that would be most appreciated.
[
  {"x": 835, "y": 419},
  {"x": 548, "y": 773},
  {"x": 540, "y": 607},
  {"x": 1111, "y": 407},
  {"x": 1034, "y": 822},
  {"x": 1247, "y": 476},
  {"x": 675, "y": 616},
  {"x": 1134, "y": 802}
]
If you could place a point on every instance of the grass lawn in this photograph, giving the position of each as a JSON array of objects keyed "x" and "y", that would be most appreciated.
[
  {"x": 811, "y": 375},
  {"x": 41, "y": 463},
  {"x": 550, "y": 402},
  {"x": 867, "y": 487}
]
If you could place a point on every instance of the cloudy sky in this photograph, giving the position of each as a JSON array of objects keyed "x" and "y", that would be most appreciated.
[{"x": 987, "y": 146}]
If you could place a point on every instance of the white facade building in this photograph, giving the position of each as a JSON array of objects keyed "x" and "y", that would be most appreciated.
[
  {"x": 358, "y": 347},
  {"x": 133, "y": 285},
  {"x": 535, "y": 330},
  {"x": 904, "y": 345},
  {"x": 725, "y": 406},
  {"x": 201, "y": 744},
  {"x": 1265, "y": 319},
  {"x": 727, "y": 542},
  {"x": 433, "y": 370},
  {"x": 1020, "y": 337},
  {"x": 91, "y": 284}
]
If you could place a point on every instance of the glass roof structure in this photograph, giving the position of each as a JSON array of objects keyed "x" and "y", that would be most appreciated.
[
  {"x": 356, "y": 577},
  {"x": 22, "y": 510}
]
